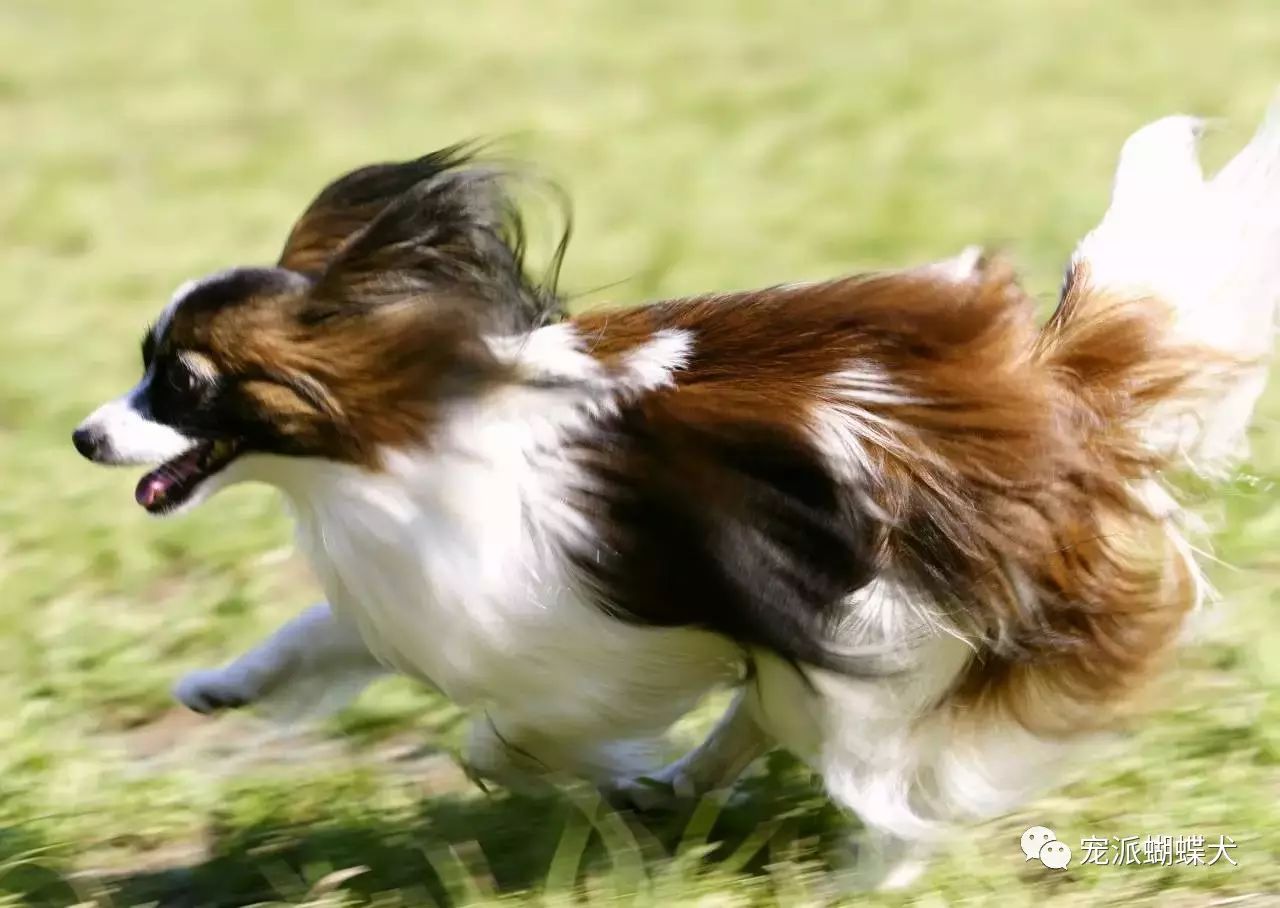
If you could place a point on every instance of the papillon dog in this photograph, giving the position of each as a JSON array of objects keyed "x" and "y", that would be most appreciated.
[{"x": 930, "y": 545}]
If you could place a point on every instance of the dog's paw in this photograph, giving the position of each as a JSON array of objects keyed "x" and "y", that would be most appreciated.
[
  {"x": 665, "y": 790},
  {"x": 212, "y": 690},
  {"x": 870, "y": 862}
]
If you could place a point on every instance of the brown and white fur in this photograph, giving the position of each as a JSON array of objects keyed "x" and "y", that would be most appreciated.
[{"x": 929, "y": 543}]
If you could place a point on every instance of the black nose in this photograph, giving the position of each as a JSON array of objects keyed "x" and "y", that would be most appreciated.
[{"x": 86, "y": 441}]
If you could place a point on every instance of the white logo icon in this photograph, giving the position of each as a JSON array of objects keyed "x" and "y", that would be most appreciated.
[
  {"x": 1040, "y": 843},
  {"x": 1055, "y": 855}
]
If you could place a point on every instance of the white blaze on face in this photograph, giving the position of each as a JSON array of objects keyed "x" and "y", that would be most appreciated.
[
  {"x": 127, "y": 433},
  {"x": 124, "y": 431},
  {"x": 1034, "y": 839}
]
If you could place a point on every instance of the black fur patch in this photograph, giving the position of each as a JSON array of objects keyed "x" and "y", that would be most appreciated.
[{"x": 739, "y": 530}]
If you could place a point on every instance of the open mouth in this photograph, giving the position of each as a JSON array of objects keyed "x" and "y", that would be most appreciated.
[{"x": 173, "y": 482}]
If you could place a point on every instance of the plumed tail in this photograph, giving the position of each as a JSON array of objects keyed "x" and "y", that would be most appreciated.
[
  {"x": 1157, "y": 352},
  {"x": 1199, "y": 261},
  {"x": 1153, "y": 360}
]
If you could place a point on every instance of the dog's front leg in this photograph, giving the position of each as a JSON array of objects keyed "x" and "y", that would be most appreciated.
[
  {"x": 314, "y": 664},
  {"x": 735, "y": 742}
]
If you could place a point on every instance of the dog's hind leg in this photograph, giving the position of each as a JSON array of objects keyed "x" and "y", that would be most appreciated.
[
  {"x": 735, "y": 742},
  {"x": 314, "y": 664}
]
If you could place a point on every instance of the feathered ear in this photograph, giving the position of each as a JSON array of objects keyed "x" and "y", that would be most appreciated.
[
  {"x": 350, "y": 202},
  {"x": 441, "y": 226}
]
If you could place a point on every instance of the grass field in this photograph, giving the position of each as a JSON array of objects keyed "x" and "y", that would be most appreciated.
[{"x": 707, "y": 145}]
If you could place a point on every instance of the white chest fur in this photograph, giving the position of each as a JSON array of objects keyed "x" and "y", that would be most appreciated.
[{"x": 452, "y": 565}]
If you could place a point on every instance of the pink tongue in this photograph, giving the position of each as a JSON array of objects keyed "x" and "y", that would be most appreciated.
[{"x": 152, "y": 489}]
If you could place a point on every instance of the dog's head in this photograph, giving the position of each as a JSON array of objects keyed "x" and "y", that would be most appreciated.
[{"x": 375, "y": 317}]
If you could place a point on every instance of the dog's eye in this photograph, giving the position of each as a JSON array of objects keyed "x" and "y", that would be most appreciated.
[{"x": 181, "y": 379}]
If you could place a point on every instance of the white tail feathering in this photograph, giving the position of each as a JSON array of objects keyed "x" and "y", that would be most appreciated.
[{"x": 1211, "y": 250}]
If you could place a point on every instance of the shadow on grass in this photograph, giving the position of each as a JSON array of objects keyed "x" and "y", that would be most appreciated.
[
  {"x": 453, "y": 847},
  {"x": 30, "y": 871}
]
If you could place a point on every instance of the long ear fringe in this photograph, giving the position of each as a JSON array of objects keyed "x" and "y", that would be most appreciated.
[
  {"x": 443, "y": 224},
  {"x": 349, "y": 203}
]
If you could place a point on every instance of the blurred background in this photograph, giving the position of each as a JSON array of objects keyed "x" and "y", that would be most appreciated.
[{"x": 708, "y": 145}]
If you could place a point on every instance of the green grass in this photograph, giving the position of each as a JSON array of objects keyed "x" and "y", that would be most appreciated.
[{"x": 707, "y": 145}]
